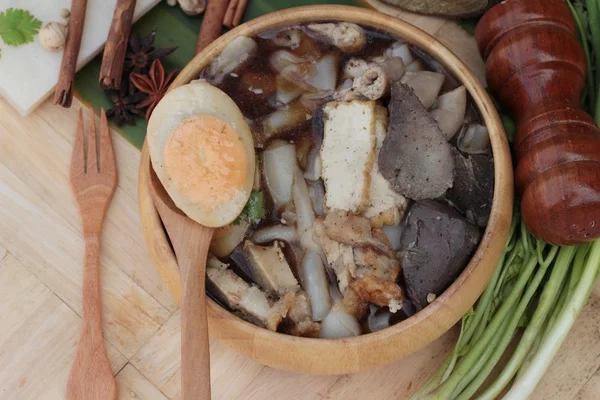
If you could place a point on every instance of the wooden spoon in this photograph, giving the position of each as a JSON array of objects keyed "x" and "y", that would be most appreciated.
[{"x": 190, "y": 241}]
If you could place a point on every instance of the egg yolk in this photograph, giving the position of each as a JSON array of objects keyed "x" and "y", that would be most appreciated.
[{"x": 206, "y": 160}]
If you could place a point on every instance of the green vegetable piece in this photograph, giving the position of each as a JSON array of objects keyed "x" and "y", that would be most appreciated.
[
  {"x": 254, "y": 210},
  {"x": 509, "y": 126},
  {"x": 469, "y": 24},
  {"x": 18, "y": 27}
]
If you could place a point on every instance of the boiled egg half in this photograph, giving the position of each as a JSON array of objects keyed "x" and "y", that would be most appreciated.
[{"x": 202, "y": 151}]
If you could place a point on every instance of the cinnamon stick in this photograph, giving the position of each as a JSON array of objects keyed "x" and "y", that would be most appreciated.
[
  {"x": 230, "y": 13},
  {"x": 63, "y": 94},
  {"x": 116, "y": 45},
  {"x": 239, "y": 12},
  {"x": 212, "y": 23}
]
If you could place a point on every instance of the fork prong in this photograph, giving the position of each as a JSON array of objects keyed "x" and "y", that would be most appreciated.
[
  {"x": 78, "y": 155},
  {"x": 107, "y": 155},
  {"x": 92, "y": 157}
]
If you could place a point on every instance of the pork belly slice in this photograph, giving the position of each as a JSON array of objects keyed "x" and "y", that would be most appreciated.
[
  {"x": 251, "y": 302},
  {"x": 354, "y": 304},
  {"x": 299, "y": 318},
  {"x": 386, "y": 207},
  {"x": 270, "y": 269},
  {"x": 348, "y": 154},
  {"x": 356, "y": 231},
  {"x": 379, "y": 292},
  {"x": 339, "y": 256},
  {"x": 373, "y": 263},
  {"x": 364, "y": 263}
]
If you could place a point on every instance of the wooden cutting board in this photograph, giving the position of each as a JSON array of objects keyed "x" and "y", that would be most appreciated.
[{"x": 29, "y": 73}]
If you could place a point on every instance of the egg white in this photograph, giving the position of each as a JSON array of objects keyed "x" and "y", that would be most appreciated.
[{"x": 199, "y": 98}]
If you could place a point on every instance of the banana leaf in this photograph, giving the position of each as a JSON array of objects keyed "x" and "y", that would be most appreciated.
[{"x": 174, "y": 28}]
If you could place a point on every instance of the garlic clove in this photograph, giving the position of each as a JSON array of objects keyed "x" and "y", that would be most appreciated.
[{"x": 53, "y": 36}]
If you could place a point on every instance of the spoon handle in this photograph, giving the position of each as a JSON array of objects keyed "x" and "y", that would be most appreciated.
[{"x": 195, "y": 353}]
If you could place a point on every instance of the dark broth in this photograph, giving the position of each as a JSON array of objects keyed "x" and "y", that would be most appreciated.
[{"x": 257, "y": 104}]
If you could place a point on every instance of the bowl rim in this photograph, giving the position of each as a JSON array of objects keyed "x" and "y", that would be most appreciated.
[{"x": 453, "y": 302}]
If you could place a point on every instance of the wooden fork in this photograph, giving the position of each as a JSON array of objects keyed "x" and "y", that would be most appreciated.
[{"x": 93, "y": 179}]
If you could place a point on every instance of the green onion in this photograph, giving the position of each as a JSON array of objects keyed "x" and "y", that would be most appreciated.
[{"x": 523, "y": 387}]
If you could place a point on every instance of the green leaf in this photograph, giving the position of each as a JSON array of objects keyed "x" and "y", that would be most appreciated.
[
  {"x": 254, "y": 210},
  {"x": 509, "y": 126},
  {"x": 18, "y": 27}
]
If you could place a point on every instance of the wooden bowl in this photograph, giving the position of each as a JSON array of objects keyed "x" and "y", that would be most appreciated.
[{"x": 342, "y": 356}]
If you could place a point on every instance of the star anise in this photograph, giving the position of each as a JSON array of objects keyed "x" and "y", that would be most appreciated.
[
  {"x": 125, "y": 103},
  {"x": 141, "y": 52},
  {"x": 154, "y": 84}
]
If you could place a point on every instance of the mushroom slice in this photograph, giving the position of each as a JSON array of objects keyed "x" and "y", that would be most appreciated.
[
  {"x": 228, "y": 237},
  {"x": 339, "y": 323},
  {"x": 416, "y": 66},
  {"x": 269, "y": 234},
  {"x": 474, "y": 139},
  {"x": 425, "y": 84},
  {"x": 282, "y": 59},
  {"x": 285, "y": 93},
  {"x": 232, "y": 57},
  {"x": 345, "y": 91},
  {"x": 270, "y": 268},
  {"x": 279, "y": 163},
  {"x": 282, "y": 120},
  {"x": 449, "y": 111},
  {"x": 315, "y": 282},
  {"x": 320, "y": 75},
  {"x": 373, "y": 84},
  {"x": 393, "y": 67},
  {"x": 251, "y": 302},
  {"x": 325, "y": 75},
  {"x": 402, "y": 51},
  {"x": 346, "y": 36}
]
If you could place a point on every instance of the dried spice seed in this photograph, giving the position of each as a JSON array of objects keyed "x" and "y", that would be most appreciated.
[
  {"x": 125, "y": 101},
  {"x": 142, "y": 52},
  {"x": 154, "y": 84}
]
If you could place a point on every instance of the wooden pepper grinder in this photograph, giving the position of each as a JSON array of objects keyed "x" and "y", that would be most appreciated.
[{"x": 536, "y": 68}]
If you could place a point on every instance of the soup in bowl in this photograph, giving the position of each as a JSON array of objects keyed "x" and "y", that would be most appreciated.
[{"x": 381, "y": 196}]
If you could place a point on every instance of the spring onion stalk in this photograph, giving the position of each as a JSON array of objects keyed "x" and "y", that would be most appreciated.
[
  {"x": 586, "y": 49},
  {"x": 523, "y": 387},
  {"x": 593, "y": 9},
  {"x": 559, "y": 271},
  {"x": 510, "y": 329},
  {"x": 470, "y": 359}
]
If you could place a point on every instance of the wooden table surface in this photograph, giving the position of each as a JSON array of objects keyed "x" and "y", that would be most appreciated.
[{"x": 41, "y": 253}]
